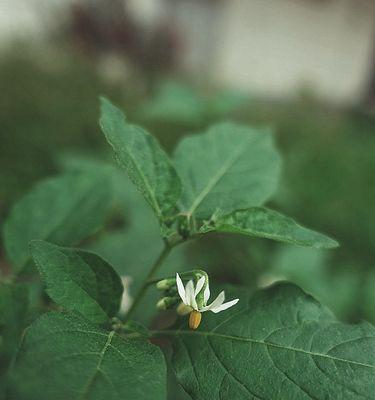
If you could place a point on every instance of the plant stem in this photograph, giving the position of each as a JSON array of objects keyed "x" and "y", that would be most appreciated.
[{"x": 138, "y": 297}]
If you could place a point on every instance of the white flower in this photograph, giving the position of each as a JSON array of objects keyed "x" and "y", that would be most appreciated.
[{"x": 189, "y": 295}]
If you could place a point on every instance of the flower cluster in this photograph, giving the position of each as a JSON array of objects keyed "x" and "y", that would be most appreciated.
[{"x": 193, "y": 297}]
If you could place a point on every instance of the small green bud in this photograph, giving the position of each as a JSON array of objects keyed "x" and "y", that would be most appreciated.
[
  {"x": 166, "y": 284},
  {"x": 167, "y": 302}
]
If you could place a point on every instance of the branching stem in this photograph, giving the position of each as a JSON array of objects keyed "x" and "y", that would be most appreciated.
[{"x": 159, "y": 261}]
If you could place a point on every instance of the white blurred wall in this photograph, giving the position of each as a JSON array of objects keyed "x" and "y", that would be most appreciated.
[
  {"x": 276, "y": 47},
  {"x": 269, "y": 47}
]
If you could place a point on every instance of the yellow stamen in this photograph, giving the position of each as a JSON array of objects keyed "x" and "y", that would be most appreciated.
[{"x": 194, "y": 319}]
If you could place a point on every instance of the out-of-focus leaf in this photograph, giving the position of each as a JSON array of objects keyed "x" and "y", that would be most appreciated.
[
  {"x": 63, "y": 210},
  {"x": 78, "y": 280},
  {"x": 280, "y": 343},
  {"x": 262, "y": 222},
  {"x": 228, "y": 167},
  {"x": 14, "y": 305},
  {"x": 147, "y": 165},
  {"x": 175, "y": 102},
  {"x": 65, "y": 357},
  {"x": 338, "y": 288}
]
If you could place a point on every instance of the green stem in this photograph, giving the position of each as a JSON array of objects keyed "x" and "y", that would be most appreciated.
[{"x": 138, "y": 297}]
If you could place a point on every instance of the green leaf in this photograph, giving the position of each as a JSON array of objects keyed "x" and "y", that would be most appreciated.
[
  {"x": 78, "y": 280},
  {"x": 14, "y": 305},
  {"x": 228, "y": 167},
  {"x": 279, "y": 344},
  {"x": 147, "y": 165},
  {"x": 65, "y": 357},
  {"x": 262, "y": 222},
  {"x": 312, "y": 270},
  {"x": 174, "y": 102},
  {"x": 63, "y": 210}
]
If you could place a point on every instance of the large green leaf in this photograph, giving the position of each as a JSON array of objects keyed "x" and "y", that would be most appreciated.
[
  {"x": 228, "y": 167},
  {"x": 63, "y": 210},
  {"x": 65, "y": 357},
  {"x": 279, "y": 344},
  {"x": 78, "y": 280},
  {"x": 147, "y": 165},
  {"x": 265, "y": 223}
]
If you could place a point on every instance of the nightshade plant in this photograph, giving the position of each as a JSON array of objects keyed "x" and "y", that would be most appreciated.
[{"x": 277, "y": 343}]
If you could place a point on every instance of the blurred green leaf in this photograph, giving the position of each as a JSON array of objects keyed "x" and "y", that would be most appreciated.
[
  {"x": 338, "y": 288},
  {"x": 63, "y": 210},
  {"x": 78, "y": 280},
  {"x": 281, "y": 343},
  {"x": 225, "y": 102},
  {"x": 174, "y": 102},
  {"x": 147, "y": 165},
  {"x": 262, "y": 222},
  {"x": 65, "y": 357},
  {"x": 228, "y": 167},
  {"x": 14, "y": 306}
]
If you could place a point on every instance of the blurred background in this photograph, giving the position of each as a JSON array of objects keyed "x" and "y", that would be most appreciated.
[{"x": 304, "y": 67}]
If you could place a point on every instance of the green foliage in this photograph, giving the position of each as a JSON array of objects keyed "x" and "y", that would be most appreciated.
[
  {"x": 78, "y": 280},
  {"x": 262, "y": 222},
  {"x": 180, "y": 104},
  {"x": 280, "y": 343},
  {"x": 312, "y": 271},
  {"x": 227, "y": 168},
  {"x": 14, "y": 306},
  {"x": 63, "y": 210},
  {"x": 145, "y": 162},
  {"x": 53, "y": 107},
  {"x": 65, "y": 357}
]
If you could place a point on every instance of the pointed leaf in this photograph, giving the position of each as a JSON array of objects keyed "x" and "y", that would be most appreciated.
[
  {"x": 63, "y": 210},
  {"x": 279, "y": 344},
  {"x": 65, "y": 357},
  {"x": 262, "y": 222},
  {"x": 228, "y": 167},
  {"x": 78, "y": 280},
  {"x": 147, "y": 165}
]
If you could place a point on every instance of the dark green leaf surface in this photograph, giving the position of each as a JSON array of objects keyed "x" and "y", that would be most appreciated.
[
  {"x": 63, "y": 210},
  {"x": 228, "y": 167},
  {"x": 14, "y": 305},
  {"x": 147, "y": 165},
  {"x": 78, "y": 280},
  {"x": 64, "y": 357},
  {"x": 265, "y": 223},
  {"x": 279, "y": 344}
]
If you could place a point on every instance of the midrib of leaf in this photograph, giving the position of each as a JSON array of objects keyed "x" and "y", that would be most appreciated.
[
  {"x": 147, "y": 185},
  {"x": 261, "y": 342},
  {"x": 216, "y": 178},
  {"x": 98, "y": 365}
]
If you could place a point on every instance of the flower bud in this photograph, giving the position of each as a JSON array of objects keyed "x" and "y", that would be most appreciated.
[
  {"x": 166, "y": 284},
  {"x": 166, "y": 302}
]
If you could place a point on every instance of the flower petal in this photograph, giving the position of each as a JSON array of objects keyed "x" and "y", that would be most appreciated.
[
  {"x": 206, "y": 294},
  {"x": 224, "y": 306},
  {"x": 200, "y": 284},
  {"x": 181, "y": 289},
  {"x": 216, "y": 303},
  {"x": 190, "y": 295}
]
